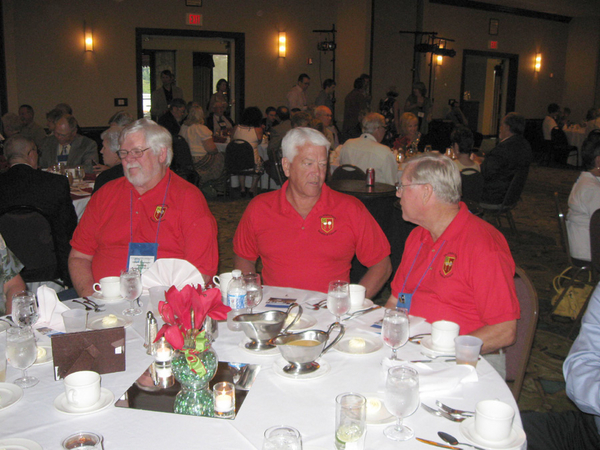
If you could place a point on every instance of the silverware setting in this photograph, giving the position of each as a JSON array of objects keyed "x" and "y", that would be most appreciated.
[
  {"x": 318, "y": 305},
  {"x": 453, "y": 441},
  {"x": 453, "y": 411},
  {"x": 90, "y": 305},
  {"x": 359, "y": 313},
  {"x": 444, "y": 414},
  {"x": 418, "y": 337}
]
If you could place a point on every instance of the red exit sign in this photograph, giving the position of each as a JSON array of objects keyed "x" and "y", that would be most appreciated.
[
  {"x": 194, "y": 19},
  {"x": 493, "y": 44}
]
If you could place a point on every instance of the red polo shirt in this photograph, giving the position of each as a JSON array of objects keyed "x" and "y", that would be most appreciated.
[
  {"x": 471, "y": 280},
  {"x": 309, "y": 253},
  {"x": 188, "y": 230}
]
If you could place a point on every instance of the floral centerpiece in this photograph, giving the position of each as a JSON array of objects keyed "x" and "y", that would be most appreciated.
[{"x": 194, "y": 362}]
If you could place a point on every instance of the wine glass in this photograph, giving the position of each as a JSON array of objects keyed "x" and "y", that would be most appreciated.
[
  {"x": 79, "y": 174},
  {"x": 21, "y": 353},
  {"x": 395, "y": 329},
  {"x": 338, "y": 298},
  {"x": 253, "y": 290},
  {"x": 25, "y": 309},
  {"x": 131, "y": 289},
  {"x": 401, "y": 398}
]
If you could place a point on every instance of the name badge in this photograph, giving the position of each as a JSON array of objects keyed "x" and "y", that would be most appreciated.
[
  {"x": 62, "y": 158},
  {"x": 421, "y": 114},
  {"x": 141, "y": 255},
  {"x": 404, "y": 301}
]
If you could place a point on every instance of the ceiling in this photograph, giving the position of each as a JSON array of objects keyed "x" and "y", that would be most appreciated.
[{"x": 571, "y": 8}]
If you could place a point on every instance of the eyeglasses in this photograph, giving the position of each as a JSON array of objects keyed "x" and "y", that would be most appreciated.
[
  {"x": 400, "y": 187},
  {"x": 134, "y": 152}
]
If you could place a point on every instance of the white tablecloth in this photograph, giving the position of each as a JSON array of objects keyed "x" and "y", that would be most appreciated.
[{"x": 308, "y": 405}]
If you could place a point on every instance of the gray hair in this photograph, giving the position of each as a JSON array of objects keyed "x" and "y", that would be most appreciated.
[
  {"x": 440, "y": 172},
  {"x": 156, "y": 137},
  {"x": 12, "y": 123},
  {"x": 17, "y": 147},
  {"x": 121, "y": 118},
  {"x": 299, "y": 137},
  {"x": 112, "y": 136},
  {"x": 372, "y": 122},
  {"x": 196, "y": 115}
]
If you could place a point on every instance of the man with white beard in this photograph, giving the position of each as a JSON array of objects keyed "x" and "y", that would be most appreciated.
[{"x": 150, "y": 213}]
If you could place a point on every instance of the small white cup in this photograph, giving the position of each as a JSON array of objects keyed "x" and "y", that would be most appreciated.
[
  {"x": 82, "y": 388},
  {"x": 157, "y": 295},
  {"x": 109, "y": 287},
  {"x": 357, "y": 295},
  {"x": 443, "y": 333},
  {"x": 493, "y": 420},
  {"x": 222, "y": 281},
  {"x": 467, "y": 349},
  {"x": 75, "y": 320}
]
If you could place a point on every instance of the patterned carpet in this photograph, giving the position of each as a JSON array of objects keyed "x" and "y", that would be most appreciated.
[{"x": 537, "y": 250}]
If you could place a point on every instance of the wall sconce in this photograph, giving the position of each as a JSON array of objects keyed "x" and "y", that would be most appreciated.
[
  {"x": 538, "y": 62},
  {"x": 88, "y": 37},
  {"x": 282, "y": 44},
  {"x": 439, "y": 59}
]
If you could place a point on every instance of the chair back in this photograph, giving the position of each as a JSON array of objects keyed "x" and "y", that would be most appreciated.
[
  {"x": 239, "y": 157},
  {"x": 472, "y": 184},
  {"x": 595, "y": 241},
  {"x": 515, "y": 188},
  {"x": 348, "y": 172},
  {"x": 28, "y": 234},
  {"x": 274, "y": 167},
  {"x": 517, "y": 355},
  {"x": 558, "y": 138},
  {"x": 564, "y": 236}
]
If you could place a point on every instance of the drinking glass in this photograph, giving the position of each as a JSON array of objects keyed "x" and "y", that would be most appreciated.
[
  {"x": 131, "y": 289},
  {"x": 79, "y": 174},
  {"x": 282, "y": 437},
  {"x": 253, "y": 290},
  {"x": 25, "y": 309},
  {"x": 401, "y": 399},
  {"x": 21, "y": 353},
  {"x": 395, "y": 329},
  {"x": 338, "y": 298}
]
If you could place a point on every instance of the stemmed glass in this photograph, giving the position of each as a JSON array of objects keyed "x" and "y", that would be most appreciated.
[
  {"x": 131, "y": 289},
  {"x": 25, "y": 309},
  {"x": 338, "y": 298},
  {"x": 253, "y": 290},
  {"x": 79, "y": 174},
  {"x": 395, "y": 329},
  {"x": 401, "y": 399},
  {"x": 21, "y": 353}
]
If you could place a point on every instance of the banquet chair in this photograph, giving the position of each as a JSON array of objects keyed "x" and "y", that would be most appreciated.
[
  {"x": 28, "y": 234},
  {"x": 517, "y": 355},
  {"x": 239, "y": 158},
  {"x": 472, "y": 184},
  {"x": 348, "y": 172},
  {"x": 274, "y": 168},
  {"x": 511, "y": 199},
  {"x": 595, "y": 243}
]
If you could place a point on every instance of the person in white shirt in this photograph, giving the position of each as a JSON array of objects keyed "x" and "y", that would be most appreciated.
[
  {"x": 550, "y": 121},
  {"x": 297, "y": 95}
]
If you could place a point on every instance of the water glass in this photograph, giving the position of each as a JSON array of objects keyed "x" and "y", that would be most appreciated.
[
  {"x": 350, "y": 421},
  {"x": 21, "y": 353},
  {"x": 83, "y": 440},
  {"x": 395, "y": 329},
  {"x": 131, "y": 289},
  {"x": 282, "y": 437},
  {"x": 25, "y": 309},
  {"x": 79, "y": 174},
  {"x": 338, "y": 298},
  {"x": 401, "y": 399},
  {"x": 253, "y": 290}
]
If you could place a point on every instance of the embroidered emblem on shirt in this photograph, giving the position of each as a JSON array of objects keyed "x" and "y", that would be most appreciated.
[
  {"x": 327, "y": 225},
  {"x": 159, "y": 213},
  {"x": 448, "y": 264}
]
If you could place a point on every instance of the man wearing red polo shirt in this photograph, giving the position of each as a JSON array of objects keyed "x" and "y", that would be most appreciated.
[
  {"x": 455, "y": 266},
  {"x": 305, "y": 233},
  {"x": 149, "y": 213}
]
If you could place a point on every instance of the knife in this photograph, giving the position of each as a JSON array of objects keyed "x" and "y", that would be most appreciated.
[
  {"x": 436, "y": 444},
  {"x": 361, "y": 312}
]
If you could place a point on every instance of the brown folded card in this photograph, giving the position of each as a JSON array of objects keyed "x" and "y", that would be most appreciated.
[{"x": 101, "y": 351}]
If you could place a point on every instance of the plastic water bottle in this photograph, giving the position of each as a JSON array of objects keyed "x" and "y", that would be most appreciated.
[{"x": 236, "y": 299}]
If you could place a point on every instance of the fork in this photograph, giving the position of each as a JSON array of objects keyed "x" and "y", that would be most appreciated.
[
  {"x": 452, "y": 411},
  {"x": 444, "y": 414},
  {"x": 436, "y": 356},
  {"x": 93, "y": 305},
  {"x": 318, "y": 305},
  {"x": 87, "y": 307}
]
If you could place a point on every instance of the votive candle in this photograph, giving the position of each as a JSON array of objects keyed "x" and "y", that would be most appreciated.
[{"x": 224, "y": 396}]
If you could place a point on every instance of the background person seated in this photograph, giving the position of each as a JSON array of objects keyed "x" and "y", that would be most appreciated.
[
  {"x": 11, "y": 282},
  {"x": 217, "y": 122},
  {"x": 462, "y": 146},
  {"x": 408, "y": 127},
  {"x": 112, "y": 167}
]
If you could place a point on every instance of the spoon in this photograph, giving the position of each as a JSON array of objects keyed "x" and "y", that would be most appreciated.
[{"x": 452, "y": 440}]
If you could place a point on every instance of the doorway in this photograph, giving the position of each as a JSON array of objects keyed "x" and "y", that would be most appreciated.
[{"x": 488, "y": 89}]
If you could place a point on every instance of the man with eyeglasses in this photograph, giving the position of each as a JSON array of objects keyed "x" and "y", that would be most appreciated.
[
  {"x": 296, "y": 97},
  {"x": 305, "y": 233},
  {"x": 366, "y": 151},
  {"x": 455, "y": 266},
  {"x": 149, "y": 214}
]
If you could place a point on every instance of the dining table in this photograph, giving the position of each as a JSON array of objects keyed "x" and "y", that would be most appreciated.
[
  {"x": 305, "y": 402},
  {"x": 575, "y": 136},
  {"x": 263, "y": 153}
]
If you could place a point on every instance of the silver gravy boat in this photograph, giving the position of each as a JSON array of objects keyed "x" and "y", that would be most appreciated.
[
  {"x": 302, "y": 349},
  {"x": 262, "y": 327}
]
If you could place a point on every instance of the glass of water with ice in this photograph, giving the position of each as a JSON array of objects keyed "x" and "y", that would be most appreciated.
[
  {"x": 282, "y": 437},
  {"x": 253, "y": 290},
  {"x": 338, "y": 298}
]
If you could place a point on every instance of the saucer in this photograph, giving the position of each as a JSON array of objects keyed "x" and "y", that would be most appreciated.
[
  {"x": 47, "y": 356},
  {"x": 428, "y": 344},
  {"x": 106, "y": 399},
  {"x": 268, "y": 352},
  {"x": 99, "y": 297},
  {"x": 97, "y": 324},
  {"x": 372, "y": 344},
  {"x": 513, "y": 442},
  {"x": 9, "y": 394},
  {"x": 19, "y": 444},
  {"x": 382, "y": 415},
  {"x": 280, "y": 363},
  {"x": 366, "y": 304},
  {"x": 306, "y": 322},
  {"x": 4, "y": 326}
]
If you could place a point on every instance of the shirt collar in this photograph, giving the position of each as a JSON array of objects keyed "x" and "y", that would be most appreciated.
[{"x": 322, "y": 203}]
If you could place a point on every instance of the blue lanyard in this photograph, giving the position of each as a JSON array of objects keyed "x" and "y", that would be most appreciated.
[
  {"x": 426, "y": 270},
  {"x": 161, "y": 212}
]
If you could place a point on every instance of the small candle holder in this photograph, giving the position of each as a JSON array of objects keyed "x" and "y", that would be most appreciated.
[
  {"x": 163, "y": 353},
  {"x": 224, "y": 399}
]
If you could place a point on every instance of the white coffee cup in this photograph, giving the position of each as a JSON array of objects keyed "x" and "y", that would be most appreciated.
[
  {"x": 222, "y": 281},
  {"x": 75, "y": 320},
  {"x": 493, "y": 420},
  {"x": 357, "y": 295},
  {"x": 109, "y": 287},
  {"x": 82, "y": 389},
  {"x": 443, "y": 333}
]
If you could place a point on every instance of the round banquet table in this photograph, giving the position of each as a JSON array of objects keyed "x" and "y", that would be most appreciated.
[
  {"x": 358, "y": 188},
  {"x": 306, "y": 404}
]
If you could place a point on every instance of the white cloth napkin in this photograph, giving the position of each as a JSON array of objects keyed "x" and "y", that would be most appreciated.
[
  {"x": 50, "y": 309},
  {"x": 171, "y": 272},
  {"x": 435, "y": 376}
]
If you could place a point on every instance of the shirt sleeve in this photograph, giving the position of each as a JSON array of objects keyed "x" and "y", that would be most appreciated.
[
  {"x": 244, "y": 242},
  {"x": 11, "y": 266},
  {"x": 372, "y": 244}
]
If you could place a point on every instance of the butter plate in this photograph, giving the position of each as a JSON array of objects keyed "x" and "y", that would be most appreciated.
[
  {"x": 96, "y": 324},
  {"x": 372, "y": 344},
  {"x": 19, "y": 444},
  {"x": 9, "y": 395}
]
